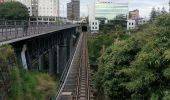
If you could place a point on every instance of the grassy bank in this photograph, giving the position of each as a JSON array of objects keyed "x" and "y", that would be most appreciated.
[
  {"x": 25, "y": 85},
  {"x": 31, "y": 85}
]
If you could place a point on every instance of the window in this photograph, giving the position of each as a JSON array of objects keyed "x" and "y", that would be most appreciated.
[{"x": 96, "y": 23}]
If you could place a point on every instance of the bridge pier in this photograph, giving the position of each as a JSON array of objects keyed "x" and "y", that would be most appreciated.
[
  {"x": 59, "y": 46},
  {"x": 41, "y": 62},
  {"x": 57, "y": 59},
  {"x": 68, "y": 48},
  {"x": 71, "y": 43},
  {"x": 51, "y": 61},
  {"x": 23, "y": 57},
  {"x": 63, "y": 56}
]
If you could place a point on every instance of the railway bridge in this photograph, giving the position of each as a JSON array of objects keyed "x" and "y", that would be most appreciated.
[{"x": 59, "y": 49}]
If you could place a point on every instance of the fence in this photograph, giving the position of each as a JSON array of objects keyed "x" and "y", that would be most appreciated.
[{"x": 19, "y": 29}]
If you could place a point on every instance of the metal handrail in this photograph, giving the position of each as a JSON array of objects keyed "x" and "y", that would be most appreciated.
[
  {"x": 62, "y": 85},
  {"x": 66, "y": 67},
  {"x": 67, "y": 64},
  {"x": 64, "y": 75},
  {"x": 22, "y": 30}
]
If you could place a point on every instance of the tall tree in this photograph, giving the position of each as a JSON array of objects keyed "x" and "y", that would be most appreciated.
[
  {"x": 137, "y": 67},
  {"x": 13, "y": 11},
  {"x": 163, "y": 11},
  {"x": 158, "y": 12},
  {"x": 153, "y": 14}
]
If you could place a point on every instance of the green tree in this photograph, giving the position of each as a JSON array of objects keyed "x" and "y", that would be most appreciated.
[
  {"x": 137, "y": 67},
  {"x": 163, "y": 11},
  {"x": 13, "y": 11},
  {"x": 158, "y": 12},
  {"x": 121, "y": 17},
  {"x": 20, "y": 84},
  {"x": 153, "y": 14}
]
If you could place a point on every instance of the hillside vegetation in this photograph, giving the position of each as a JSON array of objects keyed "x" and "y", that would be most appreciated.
[
  {"x": 134, "y": 67},
  {"x": 25, "y": 85}
]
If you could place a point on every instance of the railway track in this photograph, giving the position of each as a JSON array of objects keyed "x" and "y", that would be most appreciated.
[{"x": 77, "y": 83}]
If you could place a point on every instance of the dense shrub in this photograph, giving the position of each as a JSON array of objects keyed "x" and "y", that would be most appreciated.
[
  {"x": 24, "y": 85},
  {"x": 137, "y": 67}
]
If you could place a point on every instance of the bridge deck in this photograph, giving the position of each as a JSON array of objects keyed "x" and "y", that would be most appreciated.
[{"x": 10, "y": 34}]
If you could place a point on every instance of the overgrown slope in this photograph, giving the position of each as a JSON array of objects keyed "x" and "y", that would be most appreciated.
[
  {"x": 25, "y": 85},
  {"x": 137, "y": 67}
]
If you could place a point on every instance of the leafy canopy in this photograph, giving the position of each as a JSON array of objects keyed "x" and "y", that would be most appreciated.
[
  {"x": 13, "y": 11},
  {"x": 137, "y": 67}
]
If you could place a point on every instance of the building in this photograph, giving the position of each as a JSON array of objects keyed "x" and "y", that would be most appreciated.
[
  {"x": 142, "y": 21},
  {"x": 73, "y": 10},
  {"x": 48, "y": 7},
  {"x": 135, "y": 20},
  {"x": 106, "y": 10},
  {"x": 131, "y": 24},
  {"x": 41, "y": 11},
  {"x": 94, "y": 26},
  {"x": 110, "y": 10},
  {"x": 76, "y": 9},
  {"x": 69, "y": 11},
  {"x": 34, "y": 7},
  {"x": 41, "y": 7},
  {"x": 134, "y": 14}
]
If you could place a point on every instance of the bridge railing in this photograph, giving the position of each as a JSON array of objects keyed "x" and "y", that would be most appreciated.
[
  {"x": 20, "y": 29},
  {"x": 68, "y": 67}
]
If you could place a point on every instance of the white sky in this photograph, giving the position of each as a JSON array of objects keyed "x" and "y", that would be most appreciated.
[{"x": 144, "y": 6}]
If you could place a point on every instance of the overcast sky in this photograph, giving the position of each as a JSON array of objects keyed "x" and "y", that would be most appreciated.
[{"x": 144, "y": 6}]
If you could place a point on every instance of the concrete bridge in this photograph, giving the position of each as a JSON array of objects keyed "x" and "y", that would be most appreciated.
[
  {"x": 46, "y": 47},
  {"x": 33, "y": 42}
]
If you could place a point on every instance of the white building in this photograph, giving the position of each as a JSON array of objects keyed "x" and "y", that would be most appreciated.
[
  {"x": 94, "y": 26},
  {"x": 107, "y": 10},
  {"x": 42, "y": 7},
  {"x": 142, "y": 21},
  {"x": 131, "y": 24},
  {"x": 48, "y": 7}
]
